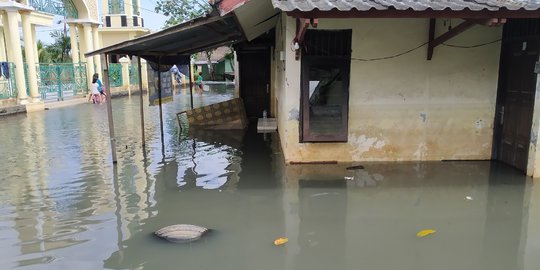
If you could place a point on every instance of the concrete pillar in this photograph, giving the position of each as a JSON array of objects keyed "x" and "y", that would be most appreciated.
[
  {"x": 125, "y": 73},
  {"x": 3, "y": 57},
  {"x": 74, "y": 43},
  {"x": 144, "y": 74},
  {"x": 128, "y": 8},
  {"x": 105, "y": 7},
  {"x": 82, "y": 43},
  {"x": 7, "y": 39},
  {"x": 15, "y": 41},
  {"x": 138, "y": 8},
  {"x": 36, "y": 51},
  {"x": 97, "y": 58},
  {"x": 87, "y": 32},
  {"x": 30, "y": 56}
]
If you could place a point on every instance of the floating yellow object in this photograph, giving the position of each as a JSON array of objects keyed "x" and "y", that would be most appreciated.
[
  {"x": 423, "y": 233},
  {"x": 280, "y": 241}
]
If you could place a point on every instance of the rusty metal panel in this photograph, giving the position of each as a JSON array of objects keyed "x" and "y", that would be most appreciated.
[{"x": 415, "y": 5}]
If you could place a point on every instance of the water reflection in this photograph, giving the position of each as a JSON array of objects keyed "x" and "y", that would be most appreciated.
[{"x": 63, "y": 205}]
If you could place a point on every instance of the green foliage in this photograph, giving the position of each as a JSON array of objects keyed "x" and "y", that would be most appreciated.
[
  {"x": 61, "y": 47},
  {"x": 182, "y": 10}
]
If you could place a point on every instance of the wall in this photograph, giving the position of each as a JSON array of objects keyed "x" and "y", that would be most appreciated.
[{"x": 405, "y": 108}]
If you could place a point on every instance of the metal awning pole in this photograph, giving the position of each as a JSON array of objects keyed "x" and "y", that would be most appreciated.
[
  {"x": 141, "y": 100},
  {"x": 109, "y": 107},
  {"x": 190, "y": 84},
  {"x": 160, "y": 108}
]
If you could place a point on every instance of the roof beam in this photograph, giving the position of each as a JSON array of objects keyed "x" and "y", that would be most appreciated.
[
  {"x": 429, "y": 13},
  {"x": 462, "y": 27}
]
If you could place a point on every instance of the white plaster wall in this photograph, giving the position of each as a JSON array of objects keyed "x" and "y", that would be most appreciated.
[{"x": 405, "y": 108}]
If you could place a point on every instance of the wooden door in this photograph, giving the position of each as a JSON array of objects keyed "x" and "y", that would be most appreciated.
[
  {"x": 255, "y": 81},
  {"x": 517, "y": 93}
]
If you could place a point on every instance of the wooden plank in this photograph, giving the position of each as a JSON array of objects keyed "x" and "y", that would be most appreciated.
[{"x": 431, "y": 34}]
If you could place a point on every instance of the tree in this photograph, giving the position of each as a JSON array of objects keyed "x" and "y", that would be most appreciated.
[
  {"x": 60, "y": 49},
  {"x": 180, "y": 11},
  {"x": 44, "y": 55}
]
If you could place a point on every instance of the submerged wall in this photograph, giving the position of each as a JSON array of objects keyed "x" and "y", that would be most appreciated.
[{"x": 404, "y": 108}]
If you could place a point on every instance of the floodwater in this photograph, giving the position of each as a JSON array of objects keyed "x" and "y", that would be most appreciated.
[{"x": 64, "y": 206}]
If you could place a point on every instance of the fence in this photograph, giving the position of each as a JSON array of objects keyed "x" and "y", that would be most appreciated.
[
  {"x": 115, "y": 75},
  {"x": 61, "y": 80},
  {"x": 8, "y": 88}
]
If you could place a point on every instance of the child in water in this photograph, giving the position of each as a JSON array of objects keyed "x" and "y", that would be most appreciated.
[
  {"x": 200, "y": 83},
  {"x": 97, "y": 89}
]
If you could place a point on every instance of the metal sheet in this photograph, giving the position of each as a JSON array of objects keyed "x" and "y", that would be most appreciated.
[{"x": 415, "y": 5}]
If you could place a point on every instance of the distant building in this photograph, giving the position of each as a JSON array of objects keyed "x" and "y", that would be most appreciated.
[{"x": 222, "y": 61}]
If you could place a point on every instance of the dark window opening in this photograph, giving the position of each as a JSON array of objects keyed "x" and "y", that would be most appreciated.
[
  {"x": 123, "y": 21},
  {"x": 326, "y": 63}
]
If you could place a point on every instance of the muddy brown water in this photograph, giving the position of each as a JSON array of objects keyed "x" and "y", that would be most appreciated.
[{"x": 64, "y": 206}]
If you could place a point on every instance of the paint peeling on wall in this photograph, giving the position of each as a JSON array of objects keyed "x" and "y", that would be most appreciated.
[
  {"x": 294, "y": 114},
  {"x": 363, "y": 144},
  {"x": 421, "y": 151}
]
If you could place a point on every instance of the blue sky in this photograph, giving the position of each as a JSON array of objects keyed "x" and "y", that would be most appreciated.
[{"x": 152, "y": 20}]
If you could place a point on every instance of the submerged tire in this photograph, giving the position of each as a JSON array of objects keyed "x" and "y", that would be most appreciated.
[{"x": 181, "y": 233}]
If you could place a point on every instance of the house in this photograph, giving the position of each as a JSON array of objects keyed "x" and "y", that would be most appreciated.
[
  {"x": 222, "y": 63},
  {"x": 422, "y": 80},
  {"x": 365, "y": 80}
]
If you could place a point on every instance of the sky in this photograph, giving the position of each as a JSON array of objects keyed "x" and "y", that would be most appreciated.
[{"x": 152, "y": 20}]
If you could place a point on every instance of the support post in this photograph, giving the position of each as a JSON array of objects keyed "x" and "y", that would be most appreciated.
[
  {"x": 95, "y": 39},
  {"x": 30, "y": 57},
  {"x": 15, "y": 41},
  {"x": 109, "y": 108},
  {"x": 87, "y": 29},
  {"x": 74, "y": 43},
  {"x": 431, "y": 37},
  {"x": 190, "y": 86},
  {"x": 139, "y": 67},
  {"x": 124, "y": 61},
  {"x": 160, "y": 109}
]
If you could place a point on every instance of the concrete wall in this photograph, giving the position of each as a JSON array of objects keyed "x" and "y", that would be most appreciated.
[{"x": 405, "y": 108}]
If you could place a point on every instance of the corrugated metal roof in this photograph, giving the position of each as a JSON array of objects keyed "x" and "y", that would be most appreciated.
[{"x": 415, "y": 5}]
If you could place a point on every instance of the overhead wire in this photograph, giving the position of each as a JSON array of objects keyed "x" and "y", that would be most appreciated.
[{"x": 420, "y": 46}]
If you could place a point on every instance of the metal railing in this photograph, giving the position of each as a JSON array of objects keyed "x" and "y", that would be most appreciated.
[
  {"x": 64, "y": 8},
  {"x": 61, "y": 80},
  {"x": 115, "y": 75},
  {"x": 8, "y": 87},
  {"x": 133, "y": 75}
]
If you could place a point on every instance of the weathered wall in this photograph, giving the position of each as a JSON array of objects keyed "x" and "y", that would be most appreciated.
[{"x": 405, "y": 108}]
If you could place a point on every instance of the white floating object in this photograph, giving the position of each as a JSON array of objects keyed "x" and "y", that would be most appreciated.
[
  {"x": 349, "y": 177},
  {"x": 181, "y": 233},
  {"x": 469, "y": 198}
]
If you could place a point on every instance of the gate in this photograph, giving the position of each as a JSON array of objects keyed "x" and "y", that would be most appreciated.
[
  {"x": 8, "y": 88},
  {"x": 60, "y": 81}
]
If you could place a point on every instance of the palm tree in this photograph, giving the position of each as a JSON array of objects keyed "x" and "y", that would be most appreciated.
[{"x": 44, "y": 55}]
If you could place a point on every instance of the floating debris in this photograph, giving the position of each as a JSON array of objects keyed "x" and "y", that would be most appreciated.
[
  {"x": 424, "y": 233},
  {"x": 181, "y": 233},
  {"x": 469, "y": 198},
  {"x": 349, "y": 177},
  {"x": 358, "y": 167},
  {"x": 280, "y": 241}
]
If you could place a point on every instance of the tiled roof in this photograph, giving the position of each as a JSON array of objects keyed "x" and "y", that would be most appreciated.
[{"x": 415, "y": 5}]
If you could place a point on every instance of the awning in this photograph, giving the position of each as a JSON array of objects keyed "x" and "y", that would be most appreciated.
[{"x": 174, "y": 45}]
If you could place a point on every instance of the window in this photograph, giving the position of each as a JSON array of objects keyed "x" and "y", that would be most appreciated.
[{"x": 326, "y": 60}]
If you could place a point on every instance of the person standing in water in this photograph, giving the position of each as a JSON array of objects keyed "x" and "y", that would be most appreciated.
[
  {"x": 96, "y": 86},
  {"x": 200, "y": 83}
]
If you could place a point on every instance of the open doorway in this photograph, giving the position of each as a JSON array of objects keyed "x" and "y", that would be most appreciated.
[{"x": 254, "y": 60}]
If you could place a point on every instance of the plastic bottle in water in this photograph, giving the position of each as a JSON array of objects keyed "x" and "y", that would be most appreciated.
[{"x": 264, "y": 114}]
